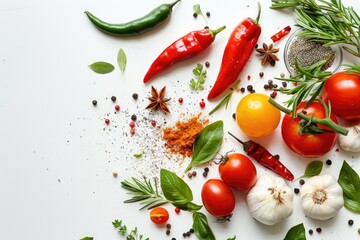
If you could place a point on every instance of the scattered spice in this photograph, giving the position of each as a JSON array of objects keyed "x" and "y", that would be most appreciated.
[
  {"x": 167, "y": 231},
  {"x": 268, "y": 53},
  {"x": 296, "y": 190},
  {"x": 311, "y": 231},
  {"x": 284, "y": 84},
  {"x": 177, "y": 210},
  {"x": 107, "y": 121},
  {"x": 181, "y": 137},
  {"x": 168, "y": 226},
  {"x": 242, "y": 89},
  {"x": 202, "y": 103},
  {"x": 153, "y": 123},
  {"x": 205, "y": 174},
  {"x": 132, "y": 131},
  {"x": 351, "y": 222},
  {"x": 94, "y": 102},
  {"x": 208, "y": 14},
  {"x": 117, "y": 107},
  {"x": 113, "y": 98},
  {"x": 157, "y": 100},
  {"x": 248, "y": 77},
  {"x": 189, "y": 175},
  {"x": 302, "y": 181},
  {"x": 132, "y": 124},
  {"x": 194, "y": 173},
  {"x": 308, "y": 52},
  {"x": 181, "y": 100},
  {"x": 261, "y": 74},
  {"x": 234, "y": 116},
  {"x": 328, "y": 162},
  {"x": 249, "y": 87},
  {"x": 195, "y": 15},
  {"x": 115, "y": 174},
  {"x": 135, "y": 96},
  {"x": 206, "y": 169},
  {"x": 273, "y": 94},
  {"x": 207, "y": 64},
  {"x": 282, "y": 75},
  {"x": 133, "y": 117},
  {"x": 318, "y": 230}
]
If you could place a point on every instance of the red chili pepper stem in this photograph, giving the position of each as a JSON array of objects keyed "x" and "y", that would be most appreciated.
[
  {"x": 258, "y": 15},
  {"x": 216, "y": 31},
  {"x": 246, "y": 145}
]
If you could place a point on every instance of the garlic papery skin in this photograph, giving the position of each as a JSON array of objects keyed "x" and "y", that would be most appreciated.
[
  {"x": 321, "y": 197},
  {"x": 351, "y": 142},
  {"x": 270, "y": 200}
]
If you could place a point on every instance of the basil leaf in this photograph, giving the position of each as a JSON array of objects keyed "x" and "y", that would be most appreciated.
[
  {"x": 87, "y": 238},
  {"x": 121, "y": 59},
  {"x": 176, "y": 190},
  {"x": 296, "y": 233},
  {"x": 201, "y": 227},
  {"x": 350, "y": 184},
  {"x": 207, "y": 144},
  {"x": 313, "y": 169},
  {"x": 102, "y": 67}
]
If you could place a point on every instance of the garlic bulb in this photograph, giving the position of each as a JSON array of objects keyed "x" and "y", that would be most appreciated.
[
  {"x": 351, "y": 142},
  {"x": 270, "y": 200},
  {"x": 321, "y": 197}
]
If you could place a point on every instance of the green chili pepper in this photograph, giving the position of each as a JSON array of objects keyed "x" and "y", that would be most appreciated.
[{"x": 137, "y": 26}]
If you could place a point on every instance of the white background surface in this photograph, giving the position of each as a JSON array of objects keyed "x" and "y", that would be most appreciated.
[{"x": 57, "y": 155}]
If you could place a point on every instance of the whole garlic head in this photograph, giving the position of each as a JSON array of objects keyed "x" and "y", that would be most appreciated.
[
  {"x": 321, "y": 197},
  {"x": 351, "y": 142},
  {"x": 270, "y": 200}
]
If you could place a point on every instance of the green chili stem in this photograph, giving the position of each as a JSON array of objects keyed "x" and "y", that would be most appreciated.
[
  {"x": 258, "y": 15},
  {"x": 216, "y": 31},
  {"x": 171, "y": 5},
  {"x": 326, "y": 121}
]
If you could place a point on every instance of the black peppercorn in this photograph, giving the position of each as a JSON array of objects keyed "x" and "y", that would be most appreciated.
[
  {"x": 195, "y": 15},
  {"x": 261, "y": 74},
  {"x": 113, "y": 98},
  {"x": 256, "y": 45},
  {"x": 208, "y": 14},
  {"x": 193, "y": 174},
  {"x": 133, "y": 117},
  {"x": 277, "y": 156},
  {"x": 234, "y": 116},
  {"x": 284, "y": 84},
  {"x": 168, "y": 226},
  {"x": 249, "y": 87},
  {"x": 351, "y": 222},
  {"x": 135, "y": 96},
  {"x": 296, "y": 190},
  {"x": 189, "y": 175},
  {"x": 206, "y": 27},
  {"x": 205, "y": 174},
  {"x": 328, "y": 162},
  {"x": 242, "y": 89},
  {"x": 94, "y": 102},
  {"x": 311, "y": 231},
  {"x": 173, "y": 239},
  {"x": 167, "y": 232},
  {"x": 318, "y": 230},
  {"x": 302, "y": 181},
  {"x": 266, "y": 86},
  {"x": 207, "y": 64},
  {"x": 184, "y": 234},
  {"x": 206, "y": 169},
  {"x": 191, "y": 230}
]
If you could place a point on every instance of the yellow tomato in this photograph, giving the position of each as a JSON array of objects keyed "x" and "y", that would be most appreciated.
[{"x": 255, "y": 116}]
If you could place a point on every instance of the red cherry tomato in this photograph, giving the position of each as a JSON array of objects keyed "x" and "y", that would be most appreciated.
[
  {"x": 238, "y": 171},
  {"x": 217, "y": 197},
  {"x": 342, "y": 89},
  {"x": 308, "y": 145},
  {"x": 159, "y": 215}
]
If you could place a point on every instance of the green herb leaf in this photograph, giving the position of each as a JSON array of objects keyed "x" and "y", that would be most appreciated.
[
  {"x": 296, "y": 233},
  {"x": 139, "y": 155},
  {"x": 207, "y": 144},
  {"x": 102, "y": 67},
  {"x": 350, "y": 184},
  {"x": 201, "y": 227},
  {"x": 123, "y": 230},
  {"x": 200, "y": 73},
  {"x": 176, "y": 191},
  {"x": 225, "y": 100},
  {"x": 121, "y": 59},
  {"x": 198, "y": 11},
  {"x": 232, "y": 238},
  {"x": 312, "y": 169},
  {"x": 87, "y": 238}
]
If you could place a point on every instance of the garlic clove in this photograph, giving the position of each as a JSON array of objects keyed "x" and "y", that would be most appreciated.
[
  {"x": 351, "y": 142},
  {"x": 321, "y": 197}
]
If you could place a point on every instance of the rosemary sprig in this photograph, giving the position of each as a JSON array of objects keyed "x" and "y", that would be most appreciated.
[
  {"x": 225, "y": 100},
  {"x": 310, "y": 82},
  {"x": 311, "y": 119},
  {"x": 145, "y": 193},
  {"x": 326, "y": 21},
  {"x": 352, "y": 68}
]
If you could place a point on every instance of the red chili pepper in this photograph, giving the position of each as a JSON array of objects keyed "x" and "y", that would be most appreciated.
[
  {"x": 265, "y": 158},
  {"x": 279, "y": 35},
  {"x": 186, "y": 47},
  {"x": 237, "y": 52}
]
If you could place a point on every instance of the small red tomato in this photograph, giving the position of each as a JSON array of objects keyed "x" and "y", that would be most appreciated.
[
  {"x": 159, "y": 215},
  {"x": 342, "y": 89},
  {"x": 217, "y": 197},
  {"x": 308, "y": 144},
  {"x": 237, "y": 171}
]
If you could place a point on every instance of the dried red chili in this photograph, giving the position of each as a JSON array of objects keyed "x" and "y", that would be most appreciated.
[
  {"x": 187, "y": 46},
  {"x": 265, "y": 158},
  {"x": 237, "y": 52},
  {"x": 279, "y": 35}
]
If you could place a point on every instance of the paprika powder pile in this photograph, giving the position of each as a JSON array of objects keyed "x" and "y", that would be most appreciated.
[{"x": 181, "y": 137}]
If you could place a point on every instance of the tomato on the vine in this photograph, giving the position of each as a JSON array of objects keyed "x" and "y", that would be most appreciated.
[
  {"x": 255, "y": 116},
  {"x": 342, "y": 89},
  {"x": 237, "y": 171},
  {"x": 308, "y": 144},
  {"x": 159, "y": 215},
  {"x": 218, "y": 198}
]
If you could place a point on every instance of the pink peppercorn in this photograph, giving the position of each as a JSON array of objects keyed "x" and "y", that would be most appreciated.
[
  {"x": 132, "y": 131},
  {"x": 177, "y": 210},
  {"x": 153, "y": 123},
  {"x": 181, "y": 100},
  {"x": 107, "y": 121},
  {"x": 132, "y": 124},
  {"x": 117, "y": 107},
  {"x": 202, "y": 103}
]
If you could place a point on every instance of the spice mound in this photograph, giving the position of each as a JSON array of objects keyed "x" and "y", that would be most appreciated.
[
  {"x": 181, "y": 137},
  {"x": 307, "y": 53}
]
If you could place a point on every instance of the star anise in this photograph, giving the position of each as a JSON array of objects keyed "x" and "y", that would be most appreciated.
[
  {"x": 268, "y": 53},
  {"x": 157, "y": 100}
]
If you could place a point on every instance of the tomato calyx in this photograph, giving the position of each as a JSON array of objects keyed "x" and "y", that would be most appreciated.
[
  {"x": 224, "y": 158},
  {"x": 308, "y": 127},
  {"x": 224, "y": 219}
]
